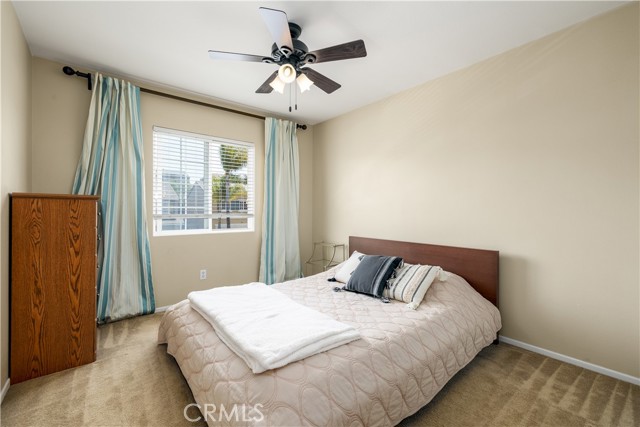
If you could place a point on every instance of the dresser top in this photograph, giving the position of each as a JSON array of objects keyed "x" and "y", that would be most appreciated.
[{"x": 53, "y": 196}]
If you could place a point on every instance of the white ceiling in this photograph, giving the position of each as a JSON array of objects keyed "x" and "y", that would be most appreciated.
[{"x": 408, "y": 43}]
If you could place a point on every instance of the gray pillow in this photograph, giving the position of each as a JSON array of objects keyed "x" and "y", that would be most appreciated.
[{"x": 371, "y": 275}]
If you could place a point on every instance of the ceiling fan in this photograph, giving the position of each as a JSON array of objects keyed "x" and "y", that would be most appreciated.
[{"x": 293, "y": 56}]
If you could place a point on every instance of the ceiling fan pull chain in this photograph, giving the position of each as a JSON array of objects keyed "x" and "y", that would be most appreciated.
[
  {"x": 295, "y": 88},
  {"x": 289, "y": 97}
]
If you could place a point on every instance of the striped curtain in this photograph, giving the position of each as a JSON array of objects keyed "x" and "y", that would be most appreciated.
[
  {"x": 280, "y": 256},
  {"x": 111, "y": 165}
]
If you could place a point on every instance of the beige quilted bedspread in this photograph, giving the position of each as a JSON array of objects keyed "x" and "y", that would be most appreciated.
[{"x": 403, "y": 359}]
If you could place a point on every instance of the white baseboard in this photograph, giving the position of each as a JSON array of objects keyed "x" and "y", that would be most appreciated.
[
  {"x": 5, "y": 389},
  {"x": 573, "y": 361}
]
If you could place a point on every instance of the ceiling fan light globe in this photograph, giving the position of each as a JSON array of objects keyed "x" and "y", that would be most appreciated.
[
  {"x": 304, "y": 83},
  {"x": 287, "y": 73},
  {"x": 277, "y": 85}
]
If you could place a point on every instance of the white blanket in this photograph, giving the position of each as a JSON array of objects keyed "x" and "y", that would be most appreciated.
[{"x": 266, "y": 328}]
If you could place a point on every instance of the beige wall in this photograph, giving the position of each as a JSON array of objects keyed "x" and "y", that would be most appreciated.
[
  {"x": 533, "y": 153},
  {"x": 59, "y": 116},
  {"x": 15, "y": 145},
  {"x": 4, "y": 300}
]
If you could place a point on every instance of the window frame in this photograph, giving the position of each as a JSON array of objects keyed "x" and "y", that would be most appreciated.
[{"x": 208, "y": 215}]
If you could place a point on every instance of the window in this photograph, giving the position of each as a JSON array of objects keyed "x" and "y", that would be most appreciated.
[{"x": 201, "y": 184}]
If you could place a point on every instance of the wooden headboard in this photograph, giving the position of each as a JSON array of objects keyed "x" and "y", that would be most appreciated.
[{"x": 478, "y": 266}]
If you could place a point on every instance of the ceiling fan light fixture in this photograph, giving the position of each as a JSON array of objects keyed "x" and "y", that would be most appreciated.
[
  {"x": 277, "y": 85},
  {"x": 304, "y": 82},
  {"x": 287, "y": 73}
]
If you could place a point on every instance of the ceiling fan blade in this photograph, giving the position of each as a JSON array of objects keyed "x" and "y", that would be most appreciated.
[
  {"x": 324, "y": 83},
  {"x": 278, "y": 25},
  {"x": 265, "y": 88},
  {"x": 216, "y": 54},
  {"x": 354, "y": 49}
]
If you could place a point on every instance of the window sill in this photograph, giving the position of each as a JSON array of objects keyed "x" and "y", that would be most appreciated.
[{"x": 201, "y": 232}]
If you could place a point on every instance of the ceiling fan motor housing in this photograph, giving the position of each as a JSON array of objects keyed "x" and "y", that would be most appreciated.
[{"x": 298, "y": 56}]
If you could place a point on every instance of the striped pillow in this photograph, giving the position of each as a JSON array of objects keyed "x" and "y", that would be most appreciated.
[{"x": 412, "y": 282}]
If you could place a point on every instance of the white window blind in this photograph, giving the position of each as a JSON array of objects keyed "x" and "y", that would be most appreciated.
[{"x": 201, "y": 184}]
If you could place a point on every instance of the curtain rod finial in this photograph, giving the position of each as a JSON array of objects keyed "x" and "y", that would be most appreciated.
[{"x": 71, "y": 72}]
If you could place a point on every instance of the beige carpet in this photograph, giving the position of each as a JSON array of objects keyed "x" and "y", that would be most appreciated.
[{"x": 135, "y": 383}]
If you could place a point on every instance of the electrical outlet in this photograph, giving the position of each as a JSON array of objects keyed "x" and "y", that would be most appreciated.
[{"x": 203, "y": 274}]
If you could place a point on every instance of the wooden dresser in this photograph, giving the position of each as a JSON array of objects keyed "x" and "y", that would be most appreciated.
[{"x": 53, "y": 283}]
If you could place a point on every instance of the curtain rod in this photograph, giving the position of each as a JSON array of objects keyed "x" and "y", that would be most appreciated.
[{"x": 71, "y": 72}]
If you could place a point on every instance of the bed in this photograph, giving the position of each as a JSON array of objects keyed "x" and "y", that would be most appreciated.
[{"x": 401, "y": 362}]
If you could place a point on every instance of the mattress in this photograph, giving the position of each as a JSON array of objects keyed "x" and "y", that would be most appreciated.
[{"x": 403, "y": 359}]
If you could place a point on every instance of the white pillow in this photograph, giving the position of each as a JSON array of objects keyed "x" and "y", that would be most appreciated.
[{"x": 347, "y": 268}]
